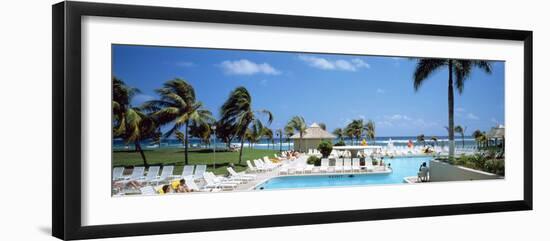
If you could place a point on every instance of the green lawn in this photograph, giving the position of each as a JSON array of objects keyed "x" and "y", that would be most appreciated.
[{"x": 176, "y": 157}]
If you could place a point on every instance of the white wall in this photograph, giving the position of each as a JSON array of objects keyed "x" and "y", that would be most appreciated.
[
  {"x": 25, "y": 94},
  {"x": 442, "y": 172}
]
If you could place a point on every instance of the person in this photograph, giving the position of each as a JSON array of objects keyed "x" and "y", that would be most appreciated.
[
  {"x": 423, "y": 172},
  {"x": 165, "y": 189},
  {"x": 180, "y": 186}
]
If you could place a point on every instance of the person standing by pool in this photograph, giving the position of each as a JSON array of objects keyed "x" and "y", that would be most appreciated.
[{"x": 423, "y": 172}]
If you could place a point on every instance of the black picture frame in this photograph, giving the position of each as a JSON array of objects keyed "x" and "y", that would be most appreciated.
[{"x": 66, "y": 169}]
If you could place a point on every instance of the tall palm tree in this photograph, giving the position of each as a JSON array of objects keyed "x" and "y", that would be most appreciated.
[
  {"x": 339, "y": 133},
  {"x": 237, "y": 111},
  {"x": 298, "y": 124},
  {"x": 289, "y": 131},
  {"x": 349, "y": 132},
  {"x": 178, "y": 106},
  {"x": 203, "y": 131},
  {"x": 460, "y": 130},
  {"x": 356, "y": 127},
  {"x": 279, "y": 133},
  {"x": 461, "y": 70},
  {"x": 370, "y": 129},
  {"x": 323, "y": 126},
  {"x": 130, "y": 123}
]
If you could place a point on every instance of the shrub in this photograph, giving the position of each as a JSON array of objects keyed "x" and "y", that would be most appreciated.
[
  {"x": 495, "y": 166},
  {"x": 375, "y": 162},
  {"x": 325, "y": 147},
  {"x": 340, "y": 143},
  {"x": 313, "y": 160}
]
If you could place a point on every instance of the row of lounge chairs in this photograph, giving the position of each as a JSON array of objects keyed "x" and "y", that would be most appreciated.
[
  {"x": 193, "y": 176},
  {"x": 262, "y": 165},
  {"x": 340, "y": 166}
]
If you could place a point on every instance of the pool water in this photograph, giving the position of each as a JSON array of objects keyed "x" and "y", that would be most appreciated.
[{"x": 402, "y": 167}]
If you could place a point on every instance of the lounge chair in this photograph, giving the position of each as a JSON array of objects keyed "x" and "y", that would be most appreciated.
[
  {"x": 118, "y": 173},
  {"x": 211, "y": 183},
  {"x": 148, "y": 190},
  {"x": 166, "y": 173},
  {"x": 356, "y": 165},
  {"x": 308, "y": 169},
  {"x": 137, "y": 174},
  {"x": 261, "y": 165},
  {"x": 199, "y": 171},
  {"x": 190, "y": 183},
  {"x": 347, "y": 165},
  {"x": 252, "y": 168},
  {"x": 187, "y": 171},
  {"x": 299, "y": 168},
  {"x": 152, "y": 174},
  {"x": 283, "y": 170},
  {"x": 324, "y": 165},
  {"x": 270, "y": 163},
  {"x": 218, "y": 179},
  {"x": 240, "y": 176},
  {"x": 338, "y": 166}
]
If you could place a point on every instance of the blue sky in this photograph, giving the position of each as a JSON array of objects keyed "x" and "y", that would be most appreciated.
[{"x": 328, "y": 88}]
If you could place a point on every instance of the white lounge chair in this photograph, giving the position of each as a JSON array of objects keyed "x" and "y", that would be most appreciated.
[
  {"x": 187, "y": 171},
  {"x": 261, "y": 165},
  {"x": 338, "y": 166},
  {"x": 118, "y": 173},
  {"x": 300, "y": 168},
  {"x": 252, "y": 168},
  {"x": 152, "y": 174},
  {"x": 240, "y": 176},
  {"x": 308, "y": 169},
  {"x": 283, "y": 170},
  {"x": 269, "y": 162},
  {"x": 166, "y": 173},
  {"x": 190, "y": 183},
  {"x": 324, "y": 165},
  {"x": 137, "y": 174},
  {"x": 347, "y": 165},
  {"x": 148, "y": 190},
  {"x": 210, "y": 183},
  {"x": 199, "y": 171},
  {"x": 218, "y": 179}
]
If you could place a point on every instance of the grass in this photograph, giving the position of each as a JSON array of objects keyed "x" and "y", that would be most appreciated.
[{"x": 176, "y": 157}]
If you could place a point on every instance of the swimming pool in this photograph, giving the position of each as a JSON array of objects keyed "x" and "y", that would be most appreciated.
[{"x": 401, "y": 167}]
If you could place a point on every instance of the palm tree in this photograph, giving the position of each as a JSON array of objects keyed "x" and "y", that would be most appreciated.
[
  {"x": 279, "y": 134},
  {"x": 370, "y": 128},
  {"x": 323, "y": 126},
  {"x": 180, "y": 136},
  {"x": 339, "y": 133},
  {"x": 461, "y": 69},
  {"x": 289, "y": 131},
  {"x": 298, "y": 124},
  {"x": 130, "y": 123},
  {"x": 237, "y": 111},
  {"x": 421, "y": 139},
  {"x": 460, "y": 130},
  {"x": 349, "y": 132},
  {"x": 355, "y": 127},
  {"x": 203, "y": 131},
  {"x": 178, "y": 106},
  {"x": 268, "y": 134},
  {"x": 477, "y": 134}
]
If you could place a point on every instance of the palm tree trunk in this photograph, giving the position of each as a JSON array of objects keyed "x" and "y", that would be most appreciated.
[
  {"x": 186, "y": 142},
  {"x": 280, "y": 144},
  {"x": 462, "y": 140},
  {"x": 241, "y": 150},
  {"x": 451, "y": 112},
  {"x": 138, "y": 148}
]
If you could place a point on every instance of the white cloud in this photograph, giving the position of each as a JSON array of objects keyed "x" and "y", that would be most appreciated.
[
  {"x": 380, "y": 91},
  {"x": 185, "y": 64},
  {"x": 398, "y": 117},
  {"x": 472, "y": 116},
  {"x": 247, "y": 67},
  {"x": 340, "y": 64}
]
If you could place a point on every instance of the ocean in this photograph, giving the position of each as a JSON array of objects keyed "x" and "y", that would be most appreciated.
[{"x": 119, "y": 144}]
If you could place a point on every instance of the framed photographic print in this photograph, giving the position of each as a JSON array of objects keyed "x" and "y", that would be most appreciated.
[{"x": 170, "y": 120}]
